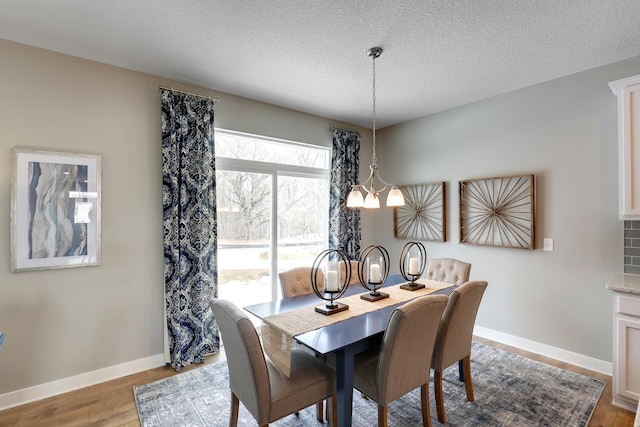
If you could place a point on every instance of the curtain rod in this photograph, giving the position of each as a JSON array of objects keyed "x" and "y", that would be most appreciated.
[{"x": 190, "y": 93}]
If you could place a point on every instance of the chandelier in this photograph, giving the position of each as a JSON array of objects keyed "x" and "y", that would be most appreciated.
[{"x": 355, "y": 198}]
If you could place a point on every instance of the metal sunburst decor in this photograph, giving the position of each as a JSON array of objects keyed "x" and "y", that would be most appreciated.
[
  {"x": 423, "y": 217},
  {"x": 498, "y": 211}
]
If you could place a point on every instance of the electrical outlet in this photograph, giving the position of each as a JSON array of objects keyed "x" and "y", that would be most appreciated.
[{"x": 548, "y": 244}]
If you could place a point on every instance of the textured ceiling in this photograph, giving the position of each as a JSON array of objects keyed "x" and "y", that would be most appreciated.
[{"x": 310, "y": 55}]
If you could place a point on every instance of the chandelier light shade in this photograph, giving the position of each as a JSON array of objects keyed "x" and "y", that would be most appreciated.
[{"x": 371, "y": 200}]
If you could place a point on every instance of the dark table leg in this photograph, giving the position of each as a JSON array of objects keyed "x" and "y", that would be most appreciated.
[{"x": 344, "y": 377}]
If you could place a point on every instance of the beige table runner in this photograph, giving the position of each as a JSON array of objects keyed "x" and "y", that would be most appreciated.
[{"x": 278, "y": 330}]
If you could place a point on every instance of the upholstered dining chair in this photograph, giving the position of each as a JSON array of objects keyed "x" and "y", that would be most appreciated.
[
  {"x": 266, "y": 393},
  {"x": 400, "y": 365},
  {"x": 354, "y": 272},
  {"x": 294, "y": 283},
  {"x": 448, "y": 270},
  {"x": 297, "y": 281},
  {"x": 453, "y": 343}
]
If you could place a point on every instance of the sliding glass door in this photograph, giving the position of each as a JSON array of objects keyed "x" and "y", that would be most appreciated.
[{"x": 272, "y": 199}]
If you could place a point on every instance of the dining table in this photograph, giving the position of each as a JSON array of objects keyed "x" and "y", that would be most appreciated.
[{"x": 343, "y": 339}]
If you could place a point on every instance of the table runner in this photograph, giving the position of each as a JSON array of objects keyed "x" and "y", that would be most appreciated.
[{"x": 278, "y": 330}]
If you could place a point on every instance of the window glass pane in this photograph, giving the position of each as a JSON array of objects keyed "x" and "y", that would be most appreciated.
[
  {"x": 244, "y": 265},
  {"x": 301, "y": 221},
  {"x": 265, "y": 150}
]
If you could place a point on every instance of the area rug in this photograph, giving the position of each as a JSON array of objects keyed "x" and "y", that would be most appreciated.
[{"x": 510, "y": 390}]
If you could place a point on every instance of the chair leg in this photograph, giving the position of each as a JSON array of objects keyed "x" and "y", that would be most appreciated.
[
  {"x": 437, "y": 388},
  {"x": 235, "y": 405},
  {"x": 468, "y": 384},
  {"x": 333, "y": 418},
  {"x": 424, "y": 403},
  {"x": 461, "y": 370},
  {"x": 382, "y": 416},
  {"x": 320, "y": 411}
]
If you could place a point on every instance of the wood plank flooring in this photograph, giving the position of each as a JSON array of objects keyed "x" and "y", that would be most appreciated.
[{"x": 112, "y": 404}]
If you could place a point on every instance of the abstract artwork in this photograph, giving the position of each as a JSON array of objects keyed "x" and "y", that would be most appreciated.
[
  {"x": 498, "y": 211},
  {"x": 55, "y": 210},
  {"x": 423, "y": 216}
]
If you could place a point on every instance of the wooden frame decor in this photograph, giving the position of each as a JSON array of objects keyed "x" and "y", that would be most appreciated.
[
  {"x": 423, "y": 216},
  {"x": 55, "y": 210},
  {"x": 498, "y": 211}
]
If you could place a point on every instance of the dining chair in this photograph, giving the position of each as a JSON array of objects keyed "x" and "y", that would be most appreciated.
[
  {"x": 297, "y": 281},
  {"x": 453, "y": 343},
  {"x": 267, "y": 393},
  {"x": 448, "y": 270},
  {"x": 403, "y": 361},
  {"x": 354, "y": 272},
  {"x": 294, "y": 283}
]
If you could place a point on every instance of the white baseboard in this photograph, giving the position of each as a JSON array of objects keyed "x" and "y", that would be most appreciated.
[
  {"x": 546, "y": 350},
  {"x": 623, "y": 403},
  {"x": 64, "y": 385}
]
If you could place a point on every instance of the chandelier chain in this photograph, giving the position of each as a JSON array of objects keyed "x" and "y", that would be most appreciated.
[{"x": 374, "y": 159}]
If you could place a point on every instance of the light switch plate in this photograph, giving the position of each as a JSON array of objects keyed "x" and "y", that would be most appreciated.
[{"x": 548, "y": 244}]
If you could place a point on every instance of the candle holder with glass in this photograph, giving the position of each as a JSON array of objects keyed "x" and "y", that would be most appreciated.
[
  {"x": 374, "y": 261},
  {"x": 334, "y": 285},
  {"x": 412, "y": 263}
]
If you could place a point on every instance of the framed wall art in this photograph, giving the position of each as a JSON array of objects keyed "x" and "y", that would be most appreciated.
[
  {"x": 423, "y": 217},
  {"x": 498, "y": 211},
  {"x": 55, "y": 210}
]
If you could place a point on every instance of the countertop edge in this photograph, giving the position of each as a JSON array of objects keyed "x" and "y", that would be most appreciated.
[{"x": 624, "y": 282}]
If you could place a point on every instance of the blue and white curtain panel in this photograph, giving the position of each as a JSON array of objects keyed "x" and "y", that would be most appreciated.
[
  {"x": 189, "y": 221},
  {"x": 344, "y": 224}
]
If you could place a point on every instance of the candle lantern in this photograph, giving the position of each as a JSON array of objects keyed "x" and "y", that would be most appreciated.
[
  {"x": 335, "y": 284},
  {"x": 412, "y": 263},
  {"x": 373, "y": 270}
]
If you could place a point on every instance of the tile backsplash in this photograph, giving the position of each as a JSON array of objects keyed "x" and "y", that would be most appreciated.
[{"x": 632, "y": 247}]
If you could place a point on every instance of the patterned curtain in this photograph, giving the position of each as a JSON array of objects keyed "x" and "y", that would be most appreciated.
[
  {"x": 344, "y": 224},
  {"x": 190, "y": 235}
]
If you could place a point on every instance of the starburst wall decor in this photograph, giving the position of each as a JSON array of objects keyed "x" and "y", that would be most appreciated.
[
  {"x": 423, "y": 216},
  {"x": 498, "y": 211}
]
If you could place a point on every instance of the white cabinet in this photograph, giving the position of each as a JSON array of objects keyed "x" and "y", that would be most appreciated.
[
  {"x": 628, "y": 93},
  {"x": 626, "y": 350}
]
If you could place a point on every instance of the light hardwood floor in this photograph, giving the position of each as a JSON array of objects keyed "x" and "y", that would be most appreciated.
[{"x": 111, "y": 403}]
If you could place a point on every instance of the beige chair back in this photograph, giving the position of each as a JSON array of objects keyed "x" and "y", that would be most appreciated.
[
  {"x": 297, "y": 281},
  {"x": 456, "y": 328},
  {"x": 404, "y": 360},
  {"x": 448, "y": 270},
  {"x": 248, "y": 373},
  {"x": 354, "y": 272}
]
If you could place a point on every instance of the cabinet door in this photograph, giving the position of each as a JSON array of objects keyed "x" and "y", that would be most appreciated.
[
  {"x": 628, "y": 93},
  {"x": 628, "y": 363}
]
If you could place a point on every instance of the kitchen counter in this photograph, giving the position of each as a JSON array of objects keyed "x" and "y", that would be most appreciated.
[{"x": 621, "y": 282}]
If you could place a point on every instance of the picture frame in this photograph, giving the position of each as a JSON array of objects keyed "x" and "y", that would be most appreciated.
[
  {"x": 424, "y": 214},
  {"x": 499, "y": 211},
  {"x": 55, "y": 209}
]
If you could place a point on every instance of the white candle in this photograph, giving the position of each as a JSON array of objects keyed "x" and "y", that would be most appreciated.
[
  {"x": 413, "y": 266},
  {"x": 374, "y": 273},
  {"x": 332, "y": 281}
]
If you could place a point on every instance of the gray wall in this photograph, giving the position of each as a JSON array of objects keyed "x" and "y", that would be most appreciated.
[
  {"x": 61, "y": 323},
  {"x": 565, "y": 132}
]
